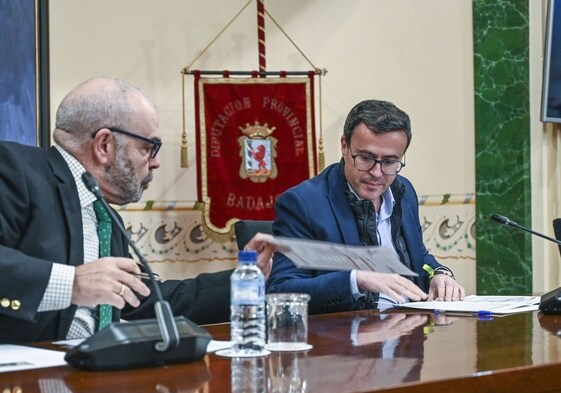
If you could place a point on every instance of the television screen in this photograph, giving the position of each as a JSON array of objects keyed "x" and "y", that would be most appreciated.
[{"x": 551, "y": 90}]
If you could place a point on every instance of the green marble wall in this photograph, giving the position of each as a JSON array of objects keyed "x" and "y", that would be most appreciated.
[{"x": 502, "y": 136}]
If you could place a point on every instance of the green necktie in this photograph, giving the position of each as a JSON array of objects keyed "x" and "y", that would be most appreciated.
[{"x": 104, "y": 235}]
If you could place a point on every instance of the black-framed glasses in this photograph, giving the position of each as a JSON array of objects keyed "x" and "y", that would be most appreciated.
[
  {"x": 156, "y": 143},
  {"x": 366, "y": 162}
]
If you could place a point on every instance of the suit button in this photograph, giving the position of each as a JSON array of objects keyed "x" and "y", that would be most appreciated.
[
  {"x": 16, "y": 304},
  {"x": 5, "y": 302}
]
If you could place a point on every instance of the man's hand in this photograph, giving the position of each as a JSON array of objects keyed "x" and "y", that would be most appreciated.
[
  {"x": 393, "y": 285},
  {"x": 108, "y": 281},
  {"x": 392, "y": 326},
  {"x": 445, "y": 288},
  {"x": 265, "y": 250}
]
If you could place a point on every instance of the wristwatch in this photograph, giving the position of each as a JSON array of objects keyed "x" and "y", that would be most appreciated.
[{"x": 444, "y": 270}]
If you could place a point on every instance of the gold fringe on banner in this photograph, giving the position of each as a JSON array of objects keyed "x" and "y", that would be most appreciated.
[
  {"x": 321, "y": 156},
  {"x": 219, "y": 235},
  {"x": 321, "y": 153},
  {"x": 184, "y": 158}
]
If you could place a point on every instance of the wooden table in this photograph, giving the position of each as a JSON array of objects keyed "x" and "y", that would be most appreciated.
[{"x": 354, "y": 352}]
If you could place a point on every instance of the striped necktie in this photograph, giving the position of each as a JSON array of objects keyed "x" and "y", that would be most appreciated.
[{"x": 105, "y": 311}]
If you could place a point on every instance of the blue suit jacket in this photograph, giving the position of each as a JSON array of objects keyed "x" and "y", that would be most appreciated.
[{"x": 319, "y": 209}]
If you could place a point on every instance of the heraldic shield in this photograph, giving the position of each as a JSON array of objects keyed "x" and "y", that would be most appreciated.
[
  {"x": 255, "y": 139},
  {"x": 258, "y": 152}
]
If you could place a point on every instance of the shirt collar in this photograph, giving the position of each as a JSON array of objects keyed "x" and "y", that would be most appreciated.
[
  {"x": 388, "y": 202},
  {"x": 77, "y": 169}
]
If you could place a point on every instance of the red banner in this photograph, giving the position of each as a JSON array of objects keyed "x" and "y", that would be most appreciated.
[{"x": 256, "y": 138}]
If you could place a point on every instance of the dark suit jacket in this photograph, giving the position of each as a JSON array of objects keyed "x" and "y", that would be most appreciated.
[
  {"x": 319, "y": 209},
  {"x": 41, "y": 224}
]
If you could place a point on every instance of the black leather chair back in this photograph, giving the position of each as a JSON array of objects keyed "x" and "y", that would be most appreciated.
[
  {"x": 246, "y": 229},
  {"x": 557, "y": 230}
]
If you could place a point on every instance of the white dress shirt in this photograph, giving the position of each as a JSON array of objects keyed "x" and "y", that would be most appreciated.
[{"x": 59, "y": 289}]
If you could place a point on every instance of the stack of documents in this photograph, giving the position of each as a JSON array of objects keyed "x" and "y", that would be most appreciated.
[{"x": 481, "y": 305}]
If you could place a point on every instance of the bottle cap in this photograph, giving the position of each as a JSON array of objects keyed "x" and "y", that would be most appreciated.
[{"x": 247, "y": 256}]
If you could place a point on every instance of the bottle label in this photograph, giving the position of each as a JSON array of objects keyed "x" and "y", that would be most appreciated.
[{"x": 248, "y": 293}]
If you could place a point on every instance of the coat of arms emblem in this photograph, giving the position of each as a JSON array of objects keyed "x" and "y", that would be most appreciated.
[{"x": 258, "y": 152}]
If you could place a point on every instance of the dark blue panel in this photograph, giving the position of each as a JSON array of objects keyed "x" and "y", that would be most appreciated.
[{"x": 18, "y": 107}]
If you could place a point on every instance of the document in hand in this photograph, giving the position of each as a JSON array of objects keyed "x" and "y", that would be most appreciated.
[
  {"x": 313, "y": 254},
  {"x": 482, "y": 305}
]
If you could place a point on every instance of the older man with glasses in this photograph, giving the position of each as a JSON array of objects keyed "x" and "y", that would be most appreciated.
[
  {"x": 66, "y": 273},
  {"x": 362, "y": 200}
]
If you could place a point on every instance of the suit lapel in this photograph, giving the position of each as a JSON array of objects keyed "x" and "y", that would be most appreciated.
[
  {"x": 68, "y": 197},
  {"x": 119, "y": 246},
  {"x": 340, "y": 206}
]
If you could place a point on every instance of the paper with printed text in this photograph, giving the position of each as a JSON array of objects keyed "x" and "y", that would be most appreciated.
[{"x": 313, "y": 254}]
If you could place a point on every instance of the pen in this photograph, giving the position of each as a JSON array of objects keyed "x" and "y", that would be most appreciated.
[
  {"x": 146, "y": 276},
  {"x": 480, "y": 313},
  {"x": 14, "y": 364}
]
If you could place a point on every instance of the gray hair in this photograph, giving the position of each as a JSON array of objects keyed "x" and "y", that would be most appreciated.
[
  {"x": 379, "y": 117},
  {"x": 92, "y": 105}
]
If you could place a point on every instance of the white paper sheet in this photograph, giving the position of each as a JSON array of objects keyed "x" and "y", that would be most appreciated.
[
  {"x": 18, "y": 357},
  {"x": 312, "y": 254},
  {"x": 481, "y": 305},
  {"x": 69, "y": 343},
  {"x": 215, "y": 345}
]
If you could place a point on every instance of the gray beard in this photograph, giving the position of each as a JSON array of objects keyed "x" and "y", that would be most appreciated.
[{"x": 121, "y": 176}]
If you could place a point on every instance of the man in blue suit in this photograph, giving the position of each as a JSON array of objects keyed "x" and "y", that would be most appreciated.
[{"x": 361, "y": 201}]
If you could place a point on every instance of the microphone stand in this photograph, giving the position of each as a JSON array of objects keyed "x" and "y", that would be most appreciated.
[
  {"x": 550, "y": 302},
  {"x": 164, "y": 315},
  {"x": 505, "y": 221}
]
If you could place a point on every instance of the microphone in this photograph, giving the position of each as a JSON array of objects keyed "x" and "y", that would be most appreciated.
[
  {"x": 550, "y": 302},
  {"x": 505, "y": 221},
  {"x": 140, "y": 343}
]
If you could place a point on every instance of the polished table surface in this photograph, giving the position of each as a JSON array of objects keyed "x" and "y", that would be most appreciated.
[{"x": 353, "y": 352}]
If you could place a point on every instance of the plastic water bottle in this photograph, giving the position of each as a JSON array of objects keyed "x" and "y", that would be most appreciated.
[
  {"x": 248, "y": 375},
  {"x": 247, "y": 306}
]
